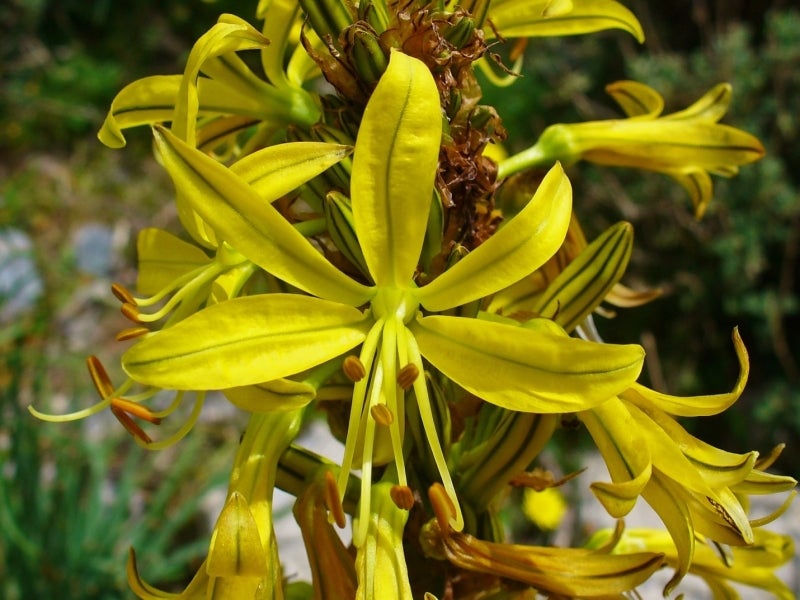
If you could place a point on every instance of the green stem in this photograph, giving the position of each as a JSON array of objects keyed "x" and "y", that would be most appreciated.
[{"x": 535, "y": 156}]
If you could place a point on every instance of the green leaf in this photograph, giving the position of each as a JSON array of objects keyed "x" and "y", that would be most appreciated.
[
  {"x": 394, "y": 165},
  {"x": 525, "y": 370},
  {"x": 520, "y": 247},
  {"x": 246, "y": 341},
  {"x": 252, "y": 226}
]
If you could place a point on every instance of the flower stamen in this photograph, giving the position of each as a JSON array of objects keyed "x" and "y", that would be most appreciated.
[
  {"x": 333, "y": 501},
  {"x": 354, "y": 369},
  {"x": 131, "y": 333},
  {"x": 407, "y": 376},
  {"x": 382, "y": 415},
  {"x": 402, "y": 496}
]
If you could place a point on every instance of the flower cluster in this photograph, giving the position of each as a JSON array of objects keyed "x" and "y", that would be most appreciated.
[{"x": 351, "y": 255}]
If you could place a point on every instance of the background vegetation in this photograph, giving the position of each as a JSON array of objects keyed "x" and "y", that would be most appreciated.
[{"x": 62, "y": 61}]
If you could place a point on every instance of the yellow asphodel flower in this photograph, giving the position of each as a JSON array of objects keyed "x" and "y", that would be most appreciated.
[
  {"x": 695, "y": 488},
  {"x": 250, "y": 340},
  {"x": 753, "y": 566},
  {"x": 556, "y": 572},
  {"x": 686, "y": 145},
  {"x": 242, "y": 559}
]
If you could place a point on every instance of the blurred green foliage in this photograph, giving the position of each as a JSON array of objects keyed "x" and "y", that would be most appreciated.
[
  {"x": 73, "y": 501},
  {"x": 63, "y": 61}
]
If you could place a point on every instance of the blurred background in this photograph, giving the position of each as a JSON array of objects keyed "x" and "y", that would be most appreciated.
[{"x": 70, "y": 210}]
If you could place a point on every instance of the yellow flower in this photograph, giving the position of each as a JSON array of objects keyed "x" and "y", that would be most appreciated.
[
  {"x": 686, "y": 145},
  {"x": 545, "y": 508},
  {"x": 753, "y": 566}
]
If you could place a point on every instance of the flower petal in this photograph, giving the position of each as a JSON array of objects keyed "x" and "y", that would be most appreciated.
[
  {"x": 277, "y": 170},
  {"x": 636, "y": 99},
  {"x": 711, "y": 107},
  {"x": 151, "y": 100},
  {"x": 230, "y": 34},
  {"x": 523, "y": 370},
  {"x": 163, "y": 258},
  {"x": 245, "y": 341},
  {"x": 533, "y": 18},
  {"x": 520, "y": 247},
  {"x": 394, "y": 165},
  {"x": 695, "y": 406},
  {"x": 252, "y": 226},
  {"x": 236, "y": 548},
  {"x": 626, "y": 454},
  {"x": 280, "y": 394}
]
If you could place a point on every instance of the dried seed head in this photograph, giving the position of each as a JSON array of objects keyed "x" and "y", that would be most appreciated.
[{"x": 353, "y": 368}]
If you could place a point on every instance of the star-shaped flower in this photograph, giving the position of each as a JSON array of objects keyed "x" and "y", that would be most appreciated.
[{"x": 260, "y": 338}]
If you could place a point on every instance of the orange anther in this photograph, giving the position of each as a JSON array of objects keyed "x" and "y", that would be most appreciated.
[
  {"x": 130, "y": 312},
  {"x": 407, "y": 376},
  {"x": 131, "y": 333},
  {"x": 122, "y": 294},
  {"x": 353, "y": 368},
  {"x": 135, "y": 409},
  {"x": 130, "y": 425},
  {"x": 332, "y": 500},
  {"x": 402, "y": 496},
  {"x": 100, "y": 378},
  {"x": 382, "y": 414}
]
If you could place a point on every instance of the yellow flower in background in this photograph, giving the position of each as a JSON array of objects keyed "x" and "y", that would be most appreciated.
[
  {"x": 545, "y": 508},
  {"x": 686, "y": 145}
]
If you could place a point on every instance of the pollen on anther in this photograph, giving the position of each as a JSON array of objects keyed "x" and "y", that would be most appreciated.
[
  {"x": 99, "y": 376},
  {"x": 130, "y": 312},
  {"x": 122, "y": 294},
  {"x": 402, "y": 496},
  {"x": 135, "y": 409},
  {"x": 332, "y": 500},
  {"x": 382, "y": 414},
  {"x": 353, "y": 368},
  {"x": 407, "y": 376},
  {"x": 130, "y": 425},
  {"x": 131, "y": 333}
]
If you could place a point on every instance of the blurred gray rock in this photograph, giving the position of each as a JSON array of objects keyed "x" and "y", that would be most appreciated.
[{"x": 20, "y": 282}]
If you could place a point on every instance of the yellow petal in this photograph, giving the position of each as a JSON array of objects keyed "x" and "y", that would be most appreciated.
[
  {"x": 512, "y": 18},
  {"x": 394, "y": 165},
  {"x": 525, "y": 370},
  {"x": 245, "y": 341},
  {"x": 636, "y": 99},
  {"x": 236, "y": 547},
  {"x": 520, "y": 247}
]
